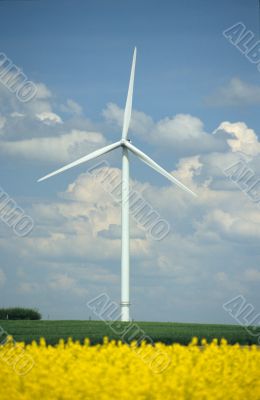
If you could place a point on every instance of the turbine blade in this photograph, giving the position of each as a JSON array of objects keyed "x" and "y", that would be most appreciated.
[
  {"x": 147, "y": 160},
  {"x": 129, "y": 100},
  {"x": 84, "y": 159}
]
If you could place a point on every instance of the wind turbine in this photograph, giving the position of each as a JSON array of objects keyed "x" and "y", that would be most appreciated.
[{"x": 126, "y": 146}]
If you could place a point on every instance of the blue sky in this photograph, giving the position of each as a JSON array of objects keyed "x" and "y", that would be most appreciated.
[{"x": 190, "y": 81}]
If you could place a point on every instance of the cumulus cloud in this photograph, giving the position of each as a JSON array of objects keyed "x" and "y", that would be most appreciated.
[
  {"x": 252, "y": 275},
  {"x": 28, "y": 287},
  {"x": 235, "y": 93},
  {"x": 43, "y": 92},
  {"x": 34, "y": 131},
  {"x": 55, "y": 149},
  {"x": 17, "y": 115},
  {"x": 66, "y": 283},
  {"x": 242, "y": 139},
  {"x": 188, "y": 168},
  {"x": 140, "y": 122},
  {"x": 232, "y": 226},
  {"x": 182, "y": 133},
  {"x": 49, "y": 118},
  {"x": 72, "y": 107}
]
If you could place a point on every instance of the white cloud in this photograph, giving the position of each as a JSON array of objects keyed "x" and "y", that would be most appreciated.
[
  {"x": 28, "y": 287},
  {"x": 180, "y": 133},
  {"x": 89, "y": 222},
  {"x": 49, "y": 118},
  {"x": 187, "y": 169},
  {"x": 71, "y": 106},
  {"x": 252, "y": 275},
  {"x": 181, "y": 127},
  {"x": 229, "y": 283},
  {"x": 236, "y": 93},
  {"x": 66, "y": 283},
  {"x": 140, "y": 122},
  {"x": 243, "y": 140},
  {"x": 17, "y": 115},
  {"x": 55, "y": 149},
  {"x": 34, "y": 131},
  {"x": 43, "y": 92},
  {"x": 40, "y": 107},
  {"x": 178, "y": 128}
]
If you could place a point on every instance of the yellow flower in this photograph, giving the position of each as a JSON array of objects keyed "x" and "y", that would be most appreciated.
[{"x": 117, "y": 371}]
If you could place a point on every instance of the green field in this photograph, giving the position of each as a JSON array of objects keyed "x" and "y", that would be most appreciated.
[{"x": 165, "y": 332}]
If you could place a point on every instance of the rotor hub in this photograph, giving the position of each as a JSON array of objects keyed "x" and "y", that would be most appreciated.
[{"x": 124, "y": 142}]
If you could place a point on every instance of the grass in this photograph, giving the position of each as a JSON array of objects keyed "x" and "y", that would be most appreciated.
[{"x": 165, "y": 332}]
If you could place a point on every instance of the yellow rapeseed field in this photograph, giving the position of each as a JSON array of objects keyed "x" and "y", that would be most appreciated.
[{"x": 119, "y": 371}]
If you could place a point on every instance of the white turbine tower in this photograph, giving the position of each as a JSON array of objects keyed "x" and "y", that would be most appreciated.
[{"x": 125, "y": 144}]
